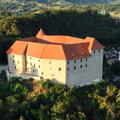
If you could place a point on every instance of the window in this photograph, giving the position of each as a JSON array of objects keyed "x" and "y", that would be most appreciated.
[
  {"x": 99, "y": 51},
  {"x": 81, "y": 60},
  {"x": 74, "y": 61},
  {"x": 68, "y": 62},
  {"x": 34, "y": 65},
  {"x": 59, "y": 69},
  {"x": 86, "y": 65},
  {"x": 33, "y": 71},
  {"x": 42, "y": 73},
  {"x": 13, "y": 56},
  {"x": 30, "y": 63},
  {"x": 94, "y": 51},
  {"x": 39, "y": 60},
  {"x": 68, "y": 69},
  {"x": 80, "y": 66},
  {"x": 30, "y": 57},
  {"x": 39, "y": 66},
  {"x": 13, "y": 61},
  {"x": 49, "y": 62},
  {"x": 17, "y": 61},
  {"x": 50, "y": 68},
  {"x": 86, "y": 59},
  {"x": 74, "y": 67},
  {"x": 15, "y": 67}
]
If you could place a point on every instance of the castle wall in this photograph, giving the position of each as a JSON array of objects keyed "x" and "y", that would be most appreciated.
[{"x": 86, "y": 71}]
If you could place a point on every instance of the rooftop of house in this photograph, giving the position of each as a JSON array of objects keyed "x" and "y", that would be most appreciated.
[{"x": 55, "y": 46}]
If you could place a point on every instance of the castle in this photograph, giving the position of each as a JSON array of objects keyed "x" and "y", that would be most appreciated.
[{"x": 67, "y": 60}]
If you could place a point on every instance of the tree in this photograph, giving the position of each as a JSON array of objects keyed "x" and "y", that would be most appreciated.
[{"x": 116, "y": 68}]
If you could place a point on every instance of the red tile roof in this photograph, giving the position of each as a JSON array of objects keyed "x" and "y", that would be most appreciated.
[
  {"x": 18, "y": 47},
  {"x": 55, "y": 46}
]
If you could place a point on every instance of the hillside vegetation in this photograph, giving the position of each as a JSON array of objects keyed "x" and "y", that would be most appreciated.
[{"x": 100, "y": 101}]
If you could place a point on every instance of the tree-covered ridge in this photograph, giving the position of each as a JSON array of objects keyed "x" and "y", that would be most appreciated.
[
  {"x": 79, "y": 1},
  {"x": 68, "y": 22},
  {"x": 99, "y": 101}
]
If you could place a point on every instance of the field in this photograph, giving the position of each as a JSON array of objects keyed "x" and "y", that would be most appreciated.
[{"x": 23, "y": 7}]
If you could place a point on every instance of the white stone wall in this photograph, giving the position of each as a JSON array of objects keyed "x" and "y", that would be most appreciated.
[
  {"x": 76, "y": 72},
  {"x": 48, "y": 69},
  {"x": 16, "y": 63},
  {"x": 85, "y": 75},
  {"x": 33, "y": 65}
]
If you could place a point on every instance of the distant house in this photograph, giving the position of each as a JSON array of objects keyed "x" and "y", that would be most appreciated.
[{"x": 67, "y": 60}]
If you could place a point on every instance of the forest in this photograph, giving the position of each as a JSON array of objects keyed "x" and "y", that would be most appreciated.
[{"x": 99, "y": 101}]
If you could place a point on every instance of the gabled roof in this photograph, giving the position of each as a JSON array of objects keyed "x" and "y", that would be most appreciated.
[
  {"x": 76, "y": 51},
  {"x": 55, "y": 46},
  {"x": 19, "y": 47}
]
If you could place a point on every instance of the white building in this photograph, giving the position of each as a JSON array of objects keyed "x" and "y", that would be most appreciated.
[{"x": 67, "y": 60}]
